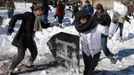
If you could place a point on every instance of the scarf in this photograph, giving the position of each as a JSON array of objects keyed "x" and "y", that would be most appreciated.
[{"x": 37, "y": 24}]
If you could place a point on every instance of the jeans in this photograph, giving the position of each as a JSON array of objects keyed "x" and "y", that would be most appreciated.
[
  {"x": 44, "y": 18},
  {"x": 104, "y": 47},
  {"x": 60, "y": 19},
  {"x": 90, "y": 63},
  {"x": 10, "y": 14}
]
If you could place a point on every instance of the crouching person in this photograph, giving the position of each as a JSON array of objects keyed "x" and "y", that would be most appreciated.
[
  {"x": 24, "y": 38},
  {"x": 90, "y": 40}
]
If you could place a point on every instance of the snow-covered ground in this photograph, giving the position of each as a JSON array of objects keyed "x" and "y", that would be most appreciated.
[{"x": 124, "y": 50}]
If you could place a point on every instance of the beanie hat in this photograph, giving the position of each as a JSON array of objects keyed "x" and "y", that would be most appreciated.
[
  {"x": 99, "y": 6},
  {"x": 37, "y": 6}
]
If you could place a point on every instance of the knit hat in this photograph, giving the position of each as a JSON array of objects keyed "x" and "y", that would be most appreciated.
[
  {"x": 37, "y": 6},
  {"x": 99, "y": 6}
]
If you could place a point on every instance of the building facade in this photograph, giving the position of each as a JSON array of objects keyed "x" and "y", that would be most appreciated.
[{"x": 108, "y": 4}]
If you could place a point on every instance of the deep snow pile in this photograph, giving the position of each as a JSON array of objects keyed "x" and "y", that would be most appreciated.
[{"x": 124, "y": 50}]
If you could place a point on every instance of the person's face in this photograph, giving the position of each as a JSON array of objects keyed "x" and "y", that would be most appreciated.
[
  {"x": 87, "y": 3},
  {"x": 83, "y": 21},
  {"x": 38, "y": 12},
  {"x": 99, "y": 10}
]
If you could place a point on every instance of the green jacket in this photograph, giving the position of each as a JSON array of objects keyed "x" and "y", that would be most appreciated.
[{"x": 10, "y": 6}]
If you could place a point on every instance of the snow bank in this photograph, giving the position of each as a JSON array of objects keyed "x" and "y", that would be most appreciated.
[{"x": 124, "y": 50}]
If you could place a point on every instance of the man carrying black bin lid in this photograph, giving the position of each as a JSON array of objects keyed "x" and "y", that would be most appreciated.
[{"x": 25, "y": 36}]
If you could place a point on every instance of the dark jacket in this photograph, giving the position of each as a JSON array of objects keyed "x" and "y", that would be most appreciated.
[
  {"x": 45, "y": 7},
  {"x": 34, "y": 4},
  {"x": 75, "y": 7},
  {"x": 24, "y": 36},
  {"x": 92, "y": 23},
  {"x": 103, "y": 18}
]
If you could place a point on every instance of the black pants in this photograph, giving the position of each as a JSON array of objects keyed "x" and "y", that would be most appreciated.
[
  {"x": 90, "y": 63},
  {"x": 21, "y": 53},
  {"x": 60, "y": 19},
  {"x": 121, "y": 29},
  {"x": 104, "y": 47},
  {"x": 10, "y": 14},
  {"x": 74, "y": 14}
]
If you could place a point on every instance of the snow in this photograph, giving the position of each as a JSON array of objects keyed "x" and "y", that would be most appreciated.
[
  {"x": 120, "y": 8},
  {"x": 124, "y": 50}
]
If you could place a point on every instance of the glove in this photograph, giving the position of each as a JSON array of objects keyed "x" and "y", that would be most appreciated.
[
  {"x": 129, "y": 22},
  {"x": 10, "y": 31},
  {"x": 109, "y": 37}
]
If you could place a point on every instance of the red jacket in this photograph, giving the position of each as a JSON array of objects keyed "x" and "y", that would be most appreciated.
[
  {"x": 60, "y": 9},
  {"x": 130, "y": 9}
]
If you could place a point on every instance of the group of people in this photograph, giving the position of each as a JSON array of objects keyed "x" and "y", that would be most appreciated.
[
  {"x": 10, "y": 6},
  {"x": 94, "y": 28},
  {"x": 60, "y": 11},
  {"x": 31, "y": 22}
]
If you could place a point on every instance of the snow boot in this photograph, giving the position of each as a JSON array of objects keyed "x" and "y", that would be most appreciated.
[{"x": 114, "y": 60}]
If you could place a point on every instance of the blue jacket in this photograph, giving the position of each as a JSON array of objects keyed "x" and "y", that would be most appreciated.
[{"x": 88, "y": 9}]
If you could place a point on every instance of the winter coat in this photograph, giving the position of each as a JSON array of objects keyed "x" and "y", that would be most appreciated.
[
  {"x": 104, "y": 20},
  {"x": 88, "y": 9},
  {"x": 130, "y": 10},
  {"x": 60, "y": 9},
  {"x": 75, "y": 7},
  {"x": 121, "y": 19},
  {"x": 25, "y": 34},
  {"x": 91, "y": 41},
  {"x": 90, "y": 37},
  {"x": 33, "y": 6},
  {"x": 82, "y": 28},
  {"x": 113, "y": 28},
  {"x": 10, "y": 6},
  {"x": 45, "y": 7}
]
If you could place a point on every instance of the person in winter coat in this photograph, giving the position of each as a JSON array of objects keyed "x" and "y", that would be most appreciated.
[
  {"x": 90, "y": 40},
  {"x": 10, "y": 7},
  {"x": 24, "y": 38},
  {"x": 46, "y": 9},
  {"x": 118, "y": 19},
  {"x": 88, "y": 8},
  {"x": 75, "y": 8},
  {"x": 104, "y": 20},
  {"x": 130, "y": 9},
  {"x": 33, "y": 6},
  {"x": 60, "y": 11}
]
